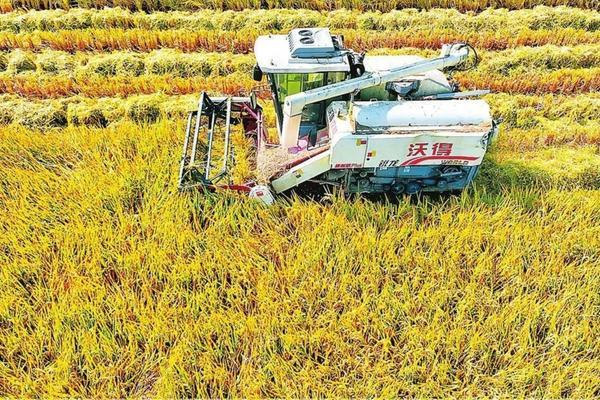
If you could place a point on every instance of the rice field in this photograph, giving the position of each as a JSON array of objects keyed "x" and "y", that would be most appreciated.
[
  {"x": 115, "y": 285},
  {"x": 330, "y": 5}
]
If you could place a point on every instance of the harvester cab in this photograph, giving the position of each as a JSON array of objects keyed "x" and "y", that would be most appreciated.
[
  {"x": 345, "y": 121},
  {"x": 305, "y": 59}
]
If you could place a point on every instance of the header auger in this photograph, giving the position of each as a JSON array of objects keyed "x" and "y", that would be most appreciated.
[{"x": 346, "y": 121}]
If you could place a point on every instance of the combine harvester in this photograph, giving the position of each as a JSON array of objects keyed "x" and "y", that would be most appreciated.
[{"x": 346, "y": 121}]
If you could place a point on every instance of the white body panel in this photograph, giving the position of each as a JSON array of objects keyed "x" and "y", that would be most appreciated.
[
  {"x": 302, "y": 172},
  {"x": 389, "y": 116},
  {"x": 349, "y": 151},
  {"x": 273, "y": 56},
  {"x": 395, "y": 150},
  {"x": 434, "y": 149},
  {"x": 401, "y": 134},
  {"x": 262, "y": 193},
  {"x": 405, "y": 133}
]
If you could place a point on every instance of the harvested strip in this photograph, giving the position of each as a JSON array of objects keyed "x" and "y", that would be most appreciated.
[
  {"x": 98, "y": 112},
  {"x": 496, "y": 40},
  {"x": 178, "y": 63},
  {"x": 549, "y": 57},
  {"x": 127, "y": 63},
  {"x": 525, "y": 111}
]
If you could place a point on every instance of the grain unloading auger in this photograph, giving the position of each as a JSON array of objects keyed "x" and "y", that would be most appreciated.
[{"x": 346, "y": 121}]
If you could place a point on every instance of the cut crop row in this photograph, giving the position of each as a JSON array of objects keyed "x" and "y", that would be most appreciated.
[
  {"x": 126, "y": 63},
  {"x": 97, "y": 86},
  {"x": 566, "y": 168},
  {"x": 185, "y": 65},
  {"x": 540, "y": 18},
  {"x": 99, "y": 40},
  {"x": 515, "y": 111}
]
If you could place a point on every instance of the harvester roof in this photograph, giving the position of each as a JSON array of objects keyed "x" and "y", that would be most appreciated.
[{"x": 303, "y": 50}]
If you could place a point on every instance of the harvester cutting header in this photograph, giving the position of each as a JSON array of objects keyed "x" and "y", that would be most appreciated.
[{"x": 361, "y": 124}]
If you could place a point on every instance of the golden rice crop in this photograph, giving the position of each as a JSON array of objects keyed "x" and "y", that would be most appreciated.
[
  {"x": 380, "y": 5},
  {"x": 46, "y": 114},
  {"x": 98, "y": 40},
  {"x": 6, "y": 6},
  {"x": 42, "y": 86},
  {"x": 114, "y": 285},
  {"x": 552, "y": 18},
  {"x": 565, "y": 81}
]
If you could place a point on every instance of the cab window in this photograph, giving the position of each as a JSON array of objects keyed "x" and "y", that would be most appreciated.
[{"x": 289, "y": 84}]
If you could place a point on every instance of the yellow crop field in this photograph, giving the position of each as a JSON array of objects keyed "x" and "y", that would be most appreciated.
[{"x": 114, "y": 284}]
